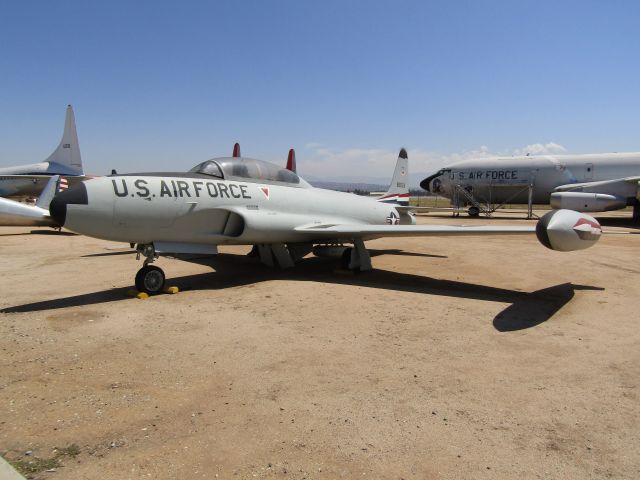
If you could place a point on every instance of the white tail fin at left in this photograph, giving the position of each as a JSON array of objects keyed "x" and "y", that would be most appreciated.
[{"x": 68, "y": 151}]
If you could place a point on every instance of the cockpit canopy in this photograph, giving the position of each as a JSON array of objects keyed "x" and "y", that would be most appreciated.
[{"x": 246, "y": 168}]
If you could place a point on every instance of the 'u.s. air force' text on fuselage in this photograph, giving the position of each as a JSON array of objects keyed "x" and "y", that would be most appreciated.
[
  {"x": 180, "y": 189},
  {"x": 484, "y": 175}
]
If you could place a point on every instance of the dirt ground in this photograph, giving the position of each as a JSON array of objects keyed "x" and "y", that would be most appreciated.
[{"x": 478, "y": 357}]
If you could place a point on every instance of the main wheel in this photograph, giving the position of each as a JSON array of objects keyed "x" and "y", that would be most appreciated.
[
  {"x": 474, "y": 211},
  {"x": 150, "y": 279}
]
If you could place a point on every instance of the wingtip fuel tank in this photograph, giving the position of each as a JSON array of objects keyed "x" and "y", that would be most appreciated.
[{"x": 567, "y": 230}]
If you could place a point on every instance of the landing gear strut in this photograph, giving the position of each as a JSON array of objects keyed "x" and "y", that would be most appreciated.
[
  {"x": 356, "y": 259},
  {"x": 149, "y": 279}
]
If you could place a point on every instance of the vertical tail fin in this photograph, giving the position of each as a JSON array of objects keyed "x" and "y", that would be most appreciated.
[
  {"x": 68, "y": 151},
  {"x": 398, "y": 192},
  {"x": 48, "y": 192},
  {"x": 236, "y": 150},
  {"x": 291, "y": 161}
]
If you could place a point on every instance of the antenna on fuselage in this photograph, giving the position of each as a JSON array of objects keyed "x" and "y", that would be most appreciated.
[{"x": 236, "y": 150}]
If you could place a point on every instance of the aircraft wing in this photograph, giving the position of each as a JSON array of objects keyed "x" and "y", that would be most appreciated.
[
  {"x": 596, "y": 187},
  {"x": 368, "y": 232}
]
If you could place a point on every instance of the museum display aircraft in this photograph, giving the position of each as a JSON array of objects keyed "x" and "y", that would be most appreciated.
[
  {"x": 245, "y": 201},
  {"x": 30, "y": 180},
  {"x": 585, "y": 183}
]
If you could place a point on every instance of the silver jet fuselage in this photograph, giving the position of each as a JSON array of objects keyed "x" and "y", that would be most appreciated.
[
  {"x": 507, "y": 179},
  {"x": 197, "y": 208}
]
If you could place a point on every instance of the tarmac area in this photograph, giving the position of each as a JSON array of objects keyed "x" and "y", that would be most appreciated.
[{"x": 480, "y": 357}]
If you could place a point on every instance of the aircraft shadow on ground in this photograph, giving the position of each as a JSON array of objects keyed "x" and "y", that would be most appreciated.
[
  {"x": 40, "y": 232},
  {"x": 111, "y": 254},
  {"x": 619, "y": 222},
  {"x": 525, "y": 310}
]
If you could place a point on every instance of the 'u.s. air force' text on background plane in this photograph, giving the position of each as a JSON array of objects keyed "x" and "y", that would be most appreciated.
[
  {"x": 585, "y": 183},
  {"x": 244, "y": 201}
]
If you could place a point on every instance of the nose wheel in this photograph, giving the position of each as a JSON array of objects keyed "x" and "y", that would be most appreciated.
[{"x": 150, "y": 279}]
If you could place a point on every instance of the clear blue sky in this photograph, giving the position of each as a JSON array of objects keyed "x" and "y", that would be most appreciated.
[{"x": 159, "y": 85}]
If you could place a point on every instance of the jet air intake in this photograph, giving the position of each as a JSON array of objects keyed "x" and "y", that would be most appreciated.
[
  {"x": 587, "y": 202},
  {"x": 566, "y": 230},
  {"x": 76, "y": 195}
]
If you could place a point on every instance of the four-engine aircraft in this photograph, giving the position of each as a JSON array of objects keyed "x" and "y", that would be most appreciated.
[
  {"x": 245, "y": 201},
  {"x": 30, "y": 180},
  {"x": 586, "y": 183}
]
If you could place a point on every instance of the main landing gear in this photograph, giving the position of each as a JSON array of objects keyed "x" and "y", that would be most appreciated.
[
  {"x": 356, "y": 258},
  {"x": 149, "y": 279}
]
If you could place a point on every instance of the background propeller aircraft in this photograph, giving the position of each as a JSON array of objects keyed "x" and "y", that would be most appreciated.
[
  {"x": 244, "y": 201},
  {"x": 30, "y": 180}
]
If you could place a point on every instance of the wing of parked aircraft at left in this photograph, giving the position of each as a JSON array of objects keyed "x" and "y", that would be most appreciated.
[{"x": 18, "y": 214}]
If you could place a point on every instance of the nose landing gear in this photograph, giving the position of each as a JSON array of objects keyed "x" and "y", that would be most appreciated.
[{"x": 149, "y": 279}]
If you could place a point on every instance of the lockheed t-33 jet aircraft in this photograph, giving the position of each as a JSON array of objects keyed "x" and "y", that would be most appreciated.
[{"x": 244, "y": 201}]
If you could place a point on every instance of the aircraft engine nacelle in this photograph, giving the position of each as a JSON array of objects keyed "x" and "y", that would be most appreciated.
[
  {"x": 587, "y": 202},
  {"x": 567, "y": 230}
]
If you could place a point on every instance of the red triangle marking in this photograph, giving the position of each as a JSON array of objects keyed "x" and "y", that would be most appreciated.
[{"x": 265, "y": 190}]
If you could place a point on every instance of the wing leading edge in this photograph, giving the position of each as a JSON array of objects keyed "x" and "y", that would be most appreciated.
[{"x": 365, "y": 231}]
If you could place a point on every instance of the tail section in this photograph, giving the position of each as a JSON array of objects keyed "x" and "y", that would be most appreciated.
[
  {"x": 291, "y": 161},
  {"x": 236, "y": 150},
  {"x": 398, "y": 192},
  {"x": 68, "y": 151}
]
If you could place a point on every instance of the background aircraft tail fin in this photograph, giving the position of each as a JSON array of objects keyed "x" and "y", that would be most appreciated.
[
  {"x": 399, "y": 189},
  {"x": 68, "y": 151},
  {"x": 291, "y": 161},
  {"x": 49, "y": 191},
  {"x": 236, "y": 150}
]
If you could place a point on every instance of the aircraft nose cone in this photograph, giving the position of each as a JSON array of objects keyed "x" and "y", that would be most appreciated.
[
  {"x": 76, "y": 195},
  {"x": 433, "y": 183}
]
